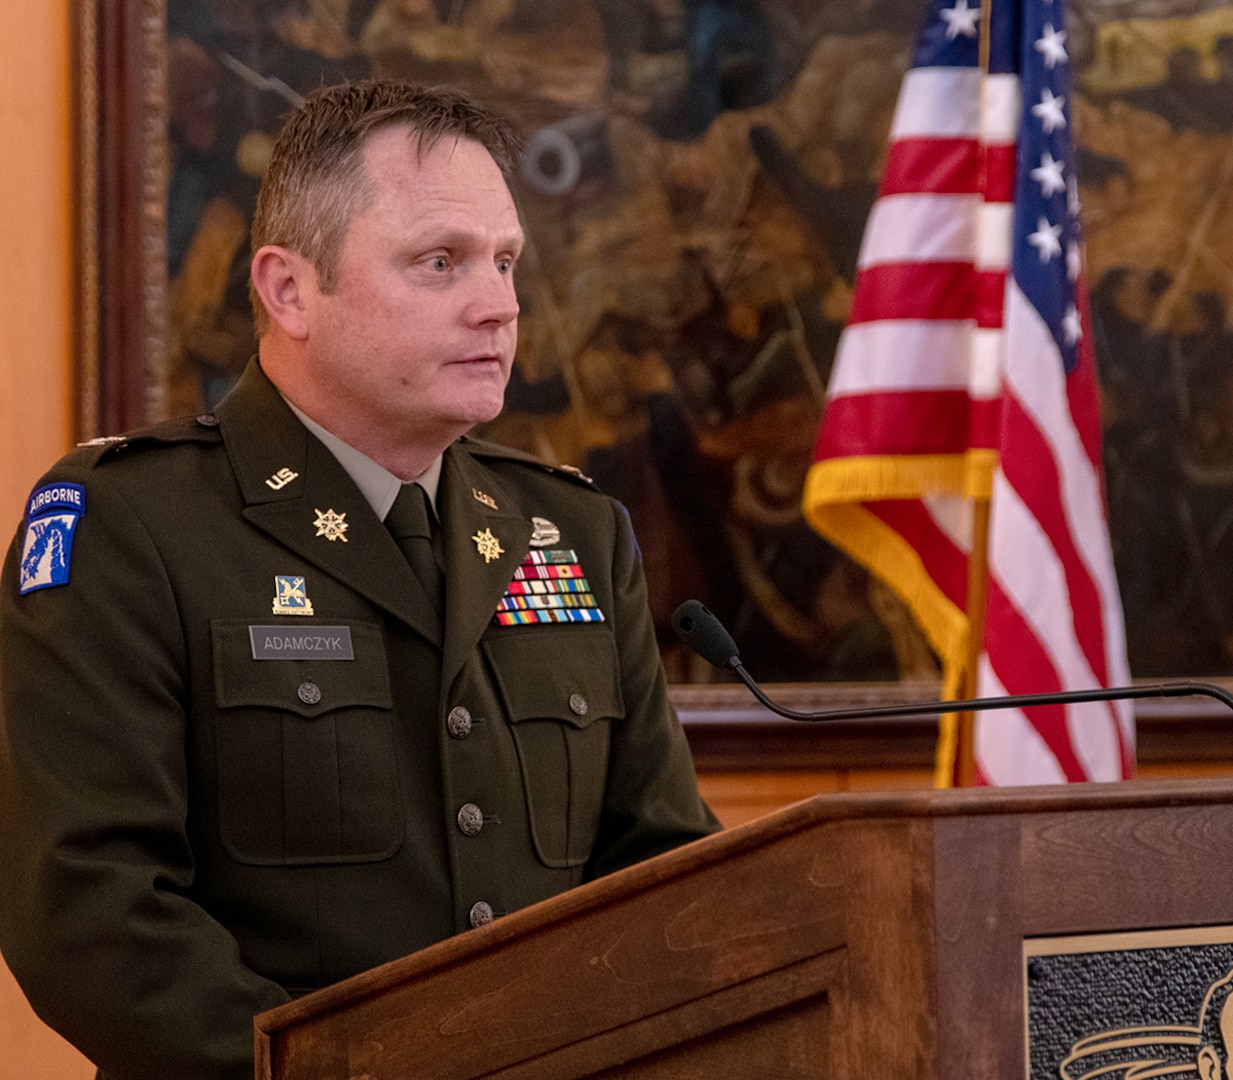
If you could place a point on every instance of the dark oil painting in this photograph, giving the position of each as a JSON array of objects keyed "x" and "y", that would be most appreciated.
[{"x": 694, "y": 188}]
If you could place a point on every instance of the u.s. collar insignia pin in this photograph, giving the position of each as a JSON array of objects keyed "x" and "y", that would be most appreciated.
[
  {"x": 281, "y": 479},
  {"x": 486, "y": 499},
  {"x": 488, "y": 545},
  {"x": 331, "y": 525},
  {"x": 544, "y": 533},
  {"x": 291, "y": 596}
]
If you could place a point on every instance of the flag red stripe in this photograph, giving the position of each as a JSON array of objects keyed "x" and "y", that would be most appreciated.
[
  {"x": 942, "y": 166},
  {"x": 1029, "y": 467},
  {"x": 1083, "y": 396},
  {"x": 935, "y": 290},
  {"x": 1000, "y": 172},
  {"x": 1023, "y": 667},
  {"x": 990, "y": 291},
  {"x": 934, "y": 165},
  {"x": 885, "y": 421},
  {"x": 945, "y": 563},
  {"x": 889, "y": 423}
]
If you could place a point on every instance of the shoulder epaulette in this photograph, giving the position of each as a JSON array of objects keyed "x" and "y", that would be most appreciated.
[
  {"x": 198, "y": 429},
  {"x": 491, "y": 451}
]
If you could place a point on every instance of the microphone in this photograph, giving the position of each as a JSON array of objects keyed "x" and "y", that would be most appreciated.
[{"x": 705, "y": 634}]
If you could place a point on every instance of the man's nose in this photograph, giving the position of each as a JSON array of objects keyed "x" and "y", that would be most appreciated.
[{"x": 495, "y": 300}]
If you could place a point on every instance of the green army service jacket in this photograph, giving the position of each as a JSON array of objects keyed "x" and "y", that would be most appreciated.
[{"x": 241, "y": 759}]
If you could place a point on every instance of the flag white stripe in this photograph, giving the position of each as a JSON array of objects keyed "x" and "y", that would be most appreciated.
[
  {"x": 1001, "y": 108},
  {"x": 938, "y": 102},
  {"x": 953, "y": 515},
  {"x": 1024, "y": 562},
  {"x": 901, "y": 354},
  {"x": 1094, "y": 736},
  {"x": 1034, "y": 375},
  {"x": 1007, "y": 746},
  {"x": 921, "y": 228}
]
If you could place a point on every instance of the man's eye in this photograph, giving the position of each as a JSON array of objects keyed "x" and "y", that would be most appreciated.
[{"x": 439, "y": 262}]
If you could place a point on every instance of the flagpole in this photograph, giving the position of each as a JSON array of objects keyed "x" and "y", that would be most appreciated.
[
  {"x": 978, "y": 559},
  {"x": 978, "y": 592}
]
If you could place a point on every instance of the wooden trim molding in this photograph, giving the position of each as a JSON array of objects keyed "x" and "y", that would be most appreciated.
[
  {"x": 729, "y": 731},
  {"x": 122, "y": 184}
]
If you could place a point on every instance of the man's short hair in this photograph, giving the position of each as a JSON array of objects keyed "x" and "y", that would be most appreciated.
[{"x": 315, "y": 182}]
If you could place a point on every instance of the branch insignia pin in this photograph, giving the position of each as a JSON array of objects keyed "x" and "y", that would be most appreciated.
[
  {"x": 488, "y": 545},
  {"x": 331, "y": 525}
]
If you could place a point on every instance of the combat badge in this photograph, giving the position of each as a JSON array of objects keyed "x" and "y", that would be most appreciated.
[
  {"x": 291, "y": 596},
  {"x": 52, "y": 515},
  {"x": 331, "y": 525},
  {"x": 544, "y": 533}
]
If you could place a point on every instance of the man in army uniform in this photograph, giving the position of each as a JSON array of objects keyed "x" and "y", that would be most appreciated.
[{"x": 247, "y": 748}]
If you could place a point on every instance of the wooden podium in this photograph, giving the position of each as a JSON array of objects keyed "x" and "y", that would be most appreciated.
[{"x": 846, "y": 936}]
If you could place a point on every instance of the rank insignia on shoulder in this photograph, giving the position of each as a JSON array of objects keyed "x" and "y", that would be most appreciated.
[
  {"x": 52, "y": 515},
  {"x": 573, "y": 470},
  {"x": 291, "y": 596}
]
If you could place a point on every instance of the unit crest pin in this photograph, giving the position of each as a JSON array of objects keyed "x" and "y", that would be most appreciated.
[{"x": 291, "y": 595}]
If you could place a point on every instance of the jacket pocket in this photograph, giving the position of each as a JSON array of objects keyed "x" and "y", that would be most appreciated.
[
  {"x": 561, "y": 692},
  {"x": 306, "y": 763}
]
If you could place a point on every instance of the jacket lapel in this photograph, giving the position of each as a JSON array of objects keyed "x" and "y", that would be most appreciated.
[
  {"x": 486, "y": 536},
  {"x": 298, "y": 493}
]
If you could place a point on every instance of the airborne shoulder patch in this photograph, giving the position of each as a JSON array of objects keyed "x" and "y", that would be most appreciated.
[{"x": 52, "y": 514}]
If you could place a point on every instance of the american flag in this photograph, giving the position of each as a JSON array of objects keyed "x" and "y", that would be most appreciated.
[{"x": 966, "y": 373}]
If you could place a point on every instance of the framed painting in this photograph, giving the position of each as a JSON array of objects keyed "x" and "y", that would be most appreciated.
[{"x": 694, "y": 188}]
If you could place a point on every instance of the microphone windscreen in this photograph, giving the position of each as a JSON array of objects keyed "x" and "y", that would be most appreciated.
[{"x": 705, "y": 634}]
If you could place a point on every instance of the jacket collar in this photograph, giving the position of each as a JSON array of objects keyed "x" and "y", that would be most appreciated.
[{"x": 296, "y": 491}]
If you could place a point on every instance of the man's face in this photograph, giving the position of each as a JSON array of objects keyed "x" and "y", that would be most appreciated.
[{"x": 417, "y": 338}]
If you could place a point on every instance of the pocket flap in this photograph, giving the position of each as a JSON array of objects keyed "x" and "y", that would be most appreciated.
[
  {"x": 313, "y": 669},
  {"x": 570, "y": 674}
]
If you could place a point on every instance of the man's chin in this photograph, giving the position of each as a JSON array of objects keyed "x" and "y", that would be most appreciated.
[{"x": 470, "y": 414}]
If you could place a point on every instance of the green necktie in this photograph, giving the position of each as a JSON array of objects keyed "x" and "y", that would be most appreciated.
[{"x": 410, "y": 523}]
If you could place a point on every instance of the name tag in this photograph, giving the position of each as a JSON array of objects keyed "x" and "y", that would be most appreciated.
[{"x": 311, "y": 643}]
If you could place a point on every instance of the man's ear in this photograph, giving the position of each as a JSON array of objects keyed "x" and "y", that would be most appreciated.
[
  {"x": 1208, "y": 1064},
  {"x": 284, "y": 280}
]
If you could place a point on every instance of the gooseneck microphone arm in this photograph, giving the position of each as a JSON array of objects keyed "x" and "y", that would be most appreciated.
[{"x": 705, "y": 634}]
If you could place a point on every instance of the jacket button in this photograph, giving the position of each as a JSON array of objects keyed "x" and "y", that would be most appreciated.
[
  {"x": 309, "y": 693},
  {"x": 470, "y": 819},
  {"x": 481, "y": 913},
  {"x": 578, "y": 704},
  {"x": 459, "y": 722}
]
